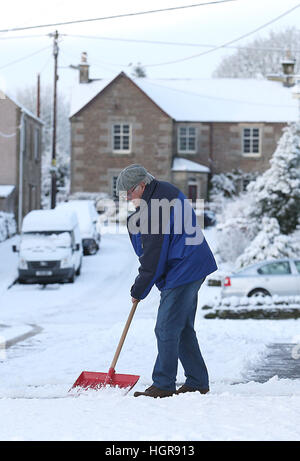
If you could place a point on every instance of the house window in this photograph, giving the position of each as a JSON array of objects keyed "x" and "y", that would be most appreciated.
[
  {"x": 187, "y": 139},
  {"x": 114, "y": 186},
  {"x": 251, "y": 141},
  {"x": 122, "y": 137}
]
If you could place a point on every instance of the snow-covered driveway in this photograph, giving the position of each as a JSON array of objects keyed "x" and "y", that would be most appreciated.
[{"x": 82, "y": 323}]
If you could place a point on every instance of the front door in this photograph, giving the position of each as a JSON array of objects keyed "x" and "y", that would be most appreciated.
[{"x": 193, "y": 192}]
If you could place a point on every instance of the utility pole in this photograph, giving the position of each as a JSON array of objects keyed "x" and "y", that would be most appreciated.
[
  {"x": 53, "y": 164},
  {"x": 38, "y": 99}
]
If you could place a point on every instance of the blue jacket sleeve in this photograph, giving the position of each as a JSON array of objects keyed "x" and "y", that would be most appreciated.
[{"x": 153, "y": 262}]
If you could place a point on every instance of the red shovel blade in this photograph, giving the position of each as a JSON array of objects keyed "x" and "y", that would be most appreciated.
[{"x": 94, "y": 380}]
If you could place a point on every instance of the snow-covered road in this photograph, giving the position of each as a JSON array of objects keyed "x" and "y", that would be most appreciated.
[{"x": 82, "y": 323}]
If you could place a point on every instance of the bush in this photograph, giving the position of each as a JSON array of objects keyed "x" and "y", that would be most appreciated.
[{"x": 8, "y": 225}]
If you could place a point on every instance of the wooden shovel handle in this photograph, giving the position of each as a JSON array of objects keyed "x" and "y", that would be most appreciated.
[{"x": 126, "y": 328}]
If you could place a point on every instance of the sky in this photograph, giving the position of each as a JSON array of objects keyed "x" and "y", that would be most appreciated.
[{"x": 26, "y": 53}]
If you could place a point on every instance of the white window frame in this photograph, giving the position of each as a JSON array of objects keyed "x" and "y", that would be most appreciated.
[
  {"x": 187, "y": 136},
  {"x": 121, "y": 151},
  {"x": 251, "y": 138}
]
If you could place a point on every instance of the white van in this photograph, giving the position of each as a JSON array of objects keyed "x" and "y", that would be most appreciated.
[
  {"x": 50, "y": 247},
  {"x": 87, "y": 218}
]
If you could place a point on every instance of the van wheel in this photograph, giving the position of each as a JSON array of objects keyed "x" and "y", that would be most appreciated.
[
  {"x": 78, "y": 270},
  {"x": 72, "y": 278}
]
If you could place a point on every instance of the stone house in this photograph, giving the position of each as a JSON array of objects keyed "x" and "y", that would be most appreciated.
[
  {"x": 182, "y": 131},
  {"x": 20, "y": 159}
]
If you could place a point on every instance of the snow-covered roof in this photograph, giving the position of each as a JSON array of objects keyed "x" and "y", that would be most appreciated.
[
  {"x": 83, "y": 93},
  {"x": 49, "y": 220},
  {"x": 182, "y": 164},
  {"x": 22, "y": 107},
  {"x": 6, "y": 190},
  {"x": 208, "y": 100}
]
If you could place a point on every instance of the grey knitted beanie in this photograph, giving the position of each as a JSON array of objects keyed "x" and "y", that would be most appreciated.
[{"x": 131, "y": 176}]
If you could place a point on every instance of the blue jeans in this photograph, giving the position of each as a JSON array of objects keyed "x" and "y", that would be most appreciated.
[{"x": 176, "y": 339}]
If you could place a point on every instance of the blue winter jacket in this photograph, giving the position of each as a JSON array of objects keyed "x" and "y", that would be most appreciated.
[{"x": 167, "y": 258}]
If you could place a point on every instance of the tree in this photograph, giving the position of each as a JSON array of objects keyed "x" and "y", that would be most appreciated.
[
  {"x": 262, "y": 56},
  {"x": 276, "y": 193},
  {"x": 138, "y": 71},
  {"x": 268, "y": 244},
  {"x": 27, "y": 97}
]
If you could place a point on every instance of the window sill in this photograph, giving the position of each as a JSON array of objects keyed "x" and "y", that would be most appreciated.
[
  {"x": 189, "y": 152},
  {"x": 122, "y": 152},
  {"x": 251, "y": 155}
]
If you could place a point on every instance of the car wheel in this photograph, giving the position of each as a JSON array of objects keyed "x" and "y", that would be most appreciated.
[
  {"x": 258, "y": 292},
  {"x": 93, "y": 248}
]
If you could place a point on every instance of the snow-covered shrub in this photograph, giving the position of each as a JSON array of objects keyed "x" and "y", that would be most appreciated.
[
  {"x": 8, "y": 226},
  {"x": 226, "y": 186},
  {"x": 276, "y": 192},
  {"x": 235, "y": 228},
  {"x": 223, "y": 184},
  {"x": 269, "y": 244}
]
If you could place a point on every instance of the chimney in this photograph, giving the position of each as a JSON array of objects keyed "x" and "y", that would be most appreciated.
[
  {"x": 287, "y": 77},
  {"x": 84, "y": 69},
  {"x": 288, "y": 68}
]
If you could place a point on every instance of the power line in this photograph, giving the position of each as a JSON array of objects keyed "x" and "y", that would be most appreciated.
[
  {"x": 125, "y": 15},
  {"x": 227, "y": 43},
  {"x": 159, "y": 42},
  {"x": 25, "y": 57},
  {"x": 216, "y": 98},
  {"x": 16, "y": 37}
]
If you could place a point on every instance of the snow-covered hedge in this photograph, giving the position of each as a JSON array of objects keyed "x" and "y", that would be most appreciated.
[
  {"x": 258, "y": 307},
  {"x": 8, "y": 225}
]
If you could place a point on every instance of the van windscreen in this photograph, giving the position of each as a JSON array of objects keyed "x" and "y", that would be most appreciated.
[{"x": 32, "y": 240}]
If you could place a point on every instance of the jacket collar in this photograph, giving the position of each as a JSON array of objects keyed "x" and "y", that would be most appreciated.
[{"x": 149, "y": 190}]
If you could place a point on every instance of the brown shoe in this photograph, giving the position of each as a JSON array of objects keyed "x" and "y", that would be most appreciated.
[
  {"x": 183, "y": 389},
  {"x": 154, "y": 392}
]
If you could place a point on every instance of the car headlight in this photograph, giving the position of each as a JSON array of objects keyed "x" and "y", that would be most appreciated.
[
  {"x": 65, "y": 262},
  {"x": 23, "y": 264}
]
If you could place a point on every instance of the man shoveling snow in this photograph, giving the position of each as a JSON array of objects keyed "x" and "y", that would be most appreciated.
[{"x": 174, "y": 256}]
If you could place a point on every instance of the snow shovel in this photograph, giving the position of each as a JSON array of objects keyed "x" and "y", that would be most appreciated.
[{"x": 94, "y": 380}]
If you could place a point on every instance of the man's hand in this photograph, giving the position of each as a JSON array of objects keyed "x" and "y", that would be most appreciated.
[{"x": 134, "y": 300}]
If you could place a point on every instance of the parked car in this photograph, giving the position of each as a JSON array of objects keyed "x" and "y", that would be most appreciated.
[
  {"x": 50, "y": 248},
  {"x": 277, "y": 277},
  {"x": 87, "y": 218}
]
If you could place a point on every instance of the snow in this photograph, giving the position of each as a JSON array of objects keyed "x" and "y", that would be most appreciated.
[
  {"x": 207, "y": 100},
  {"x": 83, "y": 93},
  {"x": 86, "y": 213},
  {"x": 182, "y": 164},
  {"x": 6, "y": 190},
  {"x": 8, "y": 225},
  {"x": 46, "y": 242},
  {"x": 82, "y": 324},
  {"x": 49, "y": 220}
]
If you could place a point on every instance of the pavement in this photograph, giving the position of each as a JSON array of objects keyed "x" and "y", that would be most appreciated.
[
  {"x": 282, "y": 360},
  {"x": 13, "y": 334}
]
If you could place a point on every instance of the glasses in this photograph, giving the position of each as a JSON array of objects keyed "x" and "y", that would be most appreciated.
[{"x": 130, "y": 191}]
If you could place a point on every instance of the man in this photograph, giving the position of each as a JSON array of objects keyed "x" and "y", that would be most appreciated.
[{"x": 174, "y": 256}]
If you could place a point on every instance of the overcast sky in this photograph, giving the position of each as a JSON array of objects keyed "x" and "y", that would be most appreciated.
[{"x": 213, "y": 24}]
